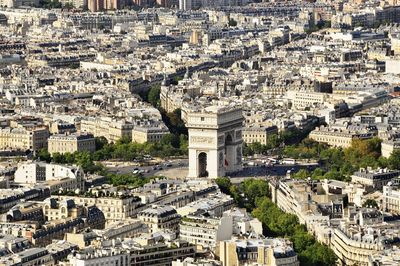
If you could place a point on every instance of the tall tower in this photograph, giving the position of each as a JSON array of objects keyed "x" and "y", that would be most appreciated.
[{"x": 215, "y": 141}]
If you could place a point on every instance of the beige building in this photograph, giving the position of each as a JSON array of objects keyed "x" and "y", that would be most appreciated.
[
  {"x": 115, "y": 208},
  {"x": 24, "y": 138},
  {"x": 267, "y": 252},
  {"x": 338, "y": 137},
  {"x": 54, "y": 175},
  {"x": 388, "y": 146},
  {"x": 206, "y": 231},
  {"x": 391, "y": 200},
  {"x": 110, "y": 129},
  {"x": 258, "y": 134},
  {"x": 63, "y": 143},
  {"x": 142, "y": 134},
  {"x": 160, "y": 218}
]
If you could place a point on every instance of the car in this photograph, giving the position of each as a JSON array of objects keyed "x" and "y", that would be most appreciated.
[
  {"x": 135, "y": 172},
  {"x": 168, "y": 165}
]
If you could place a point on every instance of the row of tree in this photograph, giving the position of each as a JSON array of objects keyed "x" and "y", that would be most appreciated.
[
  {"x": 338, "y": 163},
  {"x": 123, "y": 149},
  {"x": 254, "y": 196},
  {"x": 285, "y": 138}
]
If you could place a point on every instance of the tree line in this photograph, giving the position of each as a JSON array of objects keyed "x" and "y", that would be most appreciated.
[
  {"x": 340, "y": 163},
  {"x": 253, "y": 195},
  {"x": 123, "y": 149}
]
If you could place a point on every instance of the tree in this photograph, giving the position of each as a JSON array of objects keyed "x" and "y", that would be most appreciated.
[
  {"x": 232, "y": 22},
  {"x": 153, "y": 96},
  {"x": 224, "y": 184},
  {"x": 254, "y": 189},
  {"x": 394, "y": 160},
  {"x": 100, "y": 142},
  {"x": 44, "y": 155},
  {"x": 301, "y": 174},
  {"x": 371, "y": 203}
]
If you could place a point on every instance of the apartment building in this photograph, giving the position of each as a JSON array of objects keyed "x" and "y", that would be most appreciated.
[
  {"x": 375, "y": 178},
  {"x": 38, "y": 172},
  {"x": 268, "y": 252},
  {"x": 258, "y": 134},
  {"x": 131, "y": 252},
  {"x": 302, "y": 99},
  {"x": 354, "y": 245},
  {"x": 339, "y": 137},
  {"x": 391, "y": 199},
  {"x": 388, "y": 146},
  {"x": 24, "y": 138},
  {"x": 205, "y": 231},
  {"x": 112, "y": 130},
  {"x": 63, "y": 143},
  {"x": 160, "y": 218},
  {"x": 143, "y": 133},
  {"x": 115, "y": 208}
]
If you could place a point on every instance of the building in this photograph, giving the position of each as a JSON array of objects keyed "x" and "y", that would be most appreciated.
[
  {"x": 259, "y": 134},
  {"x": 110, "y": 129},
  {"x": 340, "y": 137},
  {"x": 142, "y": 134},
  {"x": 268, "y": 252},
  {"x": 391, "y": 199},
  {"x": 36, "y": 172},
  {"x": 353, "y": 245},
  {"x": 63, "y": 143},
  {"x": 214, "y": 205},
  {"x": 100, "y": 5},
  {"x": 215, "y": 141},
  {"x": 24, "y": 138},
  {"x": 160, "y": 218},
  {"x": 374, "y": 178},
  {"x": 114, "y": 207},
  {"x": 205, "y": 231},
  {"x": 388, "y": 146},
  {"x": 28, "y": 257}
]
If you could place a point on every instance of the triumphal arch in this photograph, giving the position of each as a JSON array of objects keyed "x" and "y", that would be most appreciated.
[{"x": 215, "y": 141}]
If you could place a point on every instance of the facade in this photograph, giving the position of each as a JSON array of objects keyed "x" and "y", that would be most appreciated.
[
  {"x": 268, "y": 252},
  {"x": 374, "y": 178},
  {"x": 110, "y": 129},
  {"x": 71, "y": 143},
  {"x": 259, "y": 134},
  {"x": 391, "y": 199},
  {"x": 28, "y": 257},
  {"x": 205, "y": 231},
  {"x": 142, "y": 134},
  {"x": 114, "y": 208},
  {"x": 338, "y": 137},
  {"x": 160, "y": 218},
  {"x": 32, "y": 173},
  {"x": 215, "y": 141},
  {"x": 24, "y": 138},
  {"x": 354, "y": 248},
  {"x": 388, "y": 146}
]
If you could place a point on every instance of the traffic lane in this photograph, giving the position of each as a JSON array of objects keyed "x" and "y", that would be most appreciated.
[{"x": 150, "y": 170}]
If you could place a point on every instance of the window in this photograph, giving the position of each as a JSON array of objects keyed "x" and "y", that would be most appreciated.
[{"x": 202, "y": 118}]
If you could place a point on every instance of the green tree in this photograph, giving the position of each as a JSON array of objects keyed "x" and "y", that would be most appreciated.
[
  {"x": 44, "y": 155},
  {"x": 154, "y": 96},
  {"x": 371, "y": 203},
  {"x": 224, "y": 184},
  {"x": 100, "y": 142},
  {"x": 254, "y": 189},
  {"x": 232, "y": 22},
  {"x": 394, "y": 160},
  {"x": 301, "y": 174}
]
